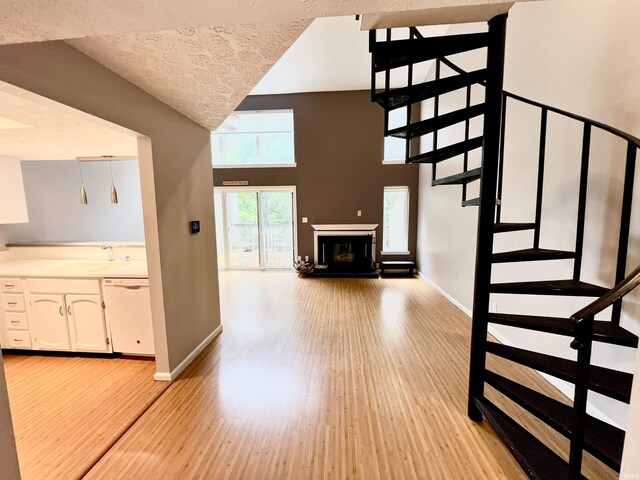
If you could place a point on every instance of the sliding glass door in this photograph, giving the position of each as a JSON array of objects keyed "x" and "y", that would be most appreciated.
[{"x": 255, "y": 228}]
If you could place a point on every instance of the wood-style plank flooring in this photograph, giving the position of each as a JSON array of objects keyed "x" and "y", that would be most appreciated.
[
  {"x": 325, "y": 379},
  {"x": 67, "y": 411}
]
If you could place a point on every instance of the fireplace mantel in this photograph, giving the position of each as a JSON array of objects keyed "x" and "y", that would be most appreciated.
[{"x": 348, "y": 227}]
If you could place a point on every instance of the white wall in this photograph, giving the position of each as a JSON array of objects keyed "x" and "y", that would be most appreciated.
[
  {"x": 52, "y": 189},
  {"x": 580, "y": 56}
]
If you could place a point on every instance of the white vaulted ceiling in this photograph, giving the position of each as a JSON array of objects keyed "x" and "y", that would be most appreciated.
[
  {"x": 203, "y": 57},
  {"x": 40, "y": 20},
  {"x": 331, "y": 55}
]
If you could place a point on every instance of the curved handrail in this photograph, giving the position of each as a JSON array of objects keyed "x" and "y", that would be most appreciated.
[
  {"x": 616, "y": 293},
  {"x": 603, "y": 126},
  {"x": 607, "y": 128}
]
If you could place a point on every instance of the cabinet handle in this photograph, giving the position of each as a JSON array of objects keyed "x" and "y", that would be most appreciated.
[
  {"x": 15, "y": 322},
  {"x": 8, "y": 286},
  {"x": 61, "y": 311},
  {"x": 69, "y": 309},
  {"x": 17, "y": 340}
]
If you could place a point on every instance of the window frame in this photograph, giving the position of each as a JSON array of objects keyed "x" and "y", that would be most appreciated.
[
  {"x": 400, "y": 188},
  {"x": 400, "y": 112},
  {"x": 219, "y": 145}
]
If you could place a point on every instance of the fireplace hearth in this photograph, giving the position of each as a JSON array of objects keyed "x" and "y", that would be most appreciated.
[{"x": 345, "y": 251}]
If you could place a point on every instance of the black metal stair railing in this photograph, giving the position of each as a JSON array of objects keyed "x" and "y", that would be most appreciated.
[
  {"x": 586, "y": 433},
  {"x": 411, "y": 92},
  {"x": 584, "y": 321}
]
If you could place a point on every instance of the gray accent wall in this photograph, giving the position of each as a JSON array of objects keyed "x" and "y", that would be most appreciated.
[
  {"x": 52, "y": 190},
  {"x": 339, "y": 150},
  {"x": 175, "y": 164}
]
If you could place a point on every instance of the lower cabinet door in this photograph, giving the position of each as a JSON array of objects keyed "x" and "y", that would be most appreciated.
[
  {"x": 86, "y": 323},
  {"x": 51, "y": 328}
]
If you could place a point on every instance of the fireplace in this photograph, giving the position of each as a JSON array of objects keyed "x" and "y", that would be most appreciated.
[{"x": 345, "y": 250}]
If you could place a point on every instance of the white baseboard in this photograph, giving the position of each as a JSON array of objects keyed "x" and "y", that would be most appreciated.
[
  {"x": 444, "y": 294},
  {"x": 170, "y": 376},
  {"x": 561, "y": 386}
]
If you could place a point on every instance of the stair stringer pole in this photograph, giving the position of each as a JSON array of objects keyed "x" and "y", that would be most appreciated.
[{"x": 486, "y": 214}]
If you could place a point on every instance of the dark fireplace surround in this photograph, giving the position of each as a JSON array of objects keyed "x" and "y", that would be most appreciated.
[
  {"x": 345, "y": 253},
  {"x": 347, "y": 250}
]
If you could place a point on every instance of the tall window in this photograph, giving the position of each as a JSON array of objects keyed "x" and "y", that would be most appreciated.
[
  {"x": 395, "y": 234},
  {"x": 395, "y": 148},
  {"x": 261, "y": 138}
]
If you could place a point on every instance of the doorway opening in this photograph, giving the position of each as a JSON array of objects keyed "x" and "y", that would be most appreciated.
[{"x": 255, "y": 227}]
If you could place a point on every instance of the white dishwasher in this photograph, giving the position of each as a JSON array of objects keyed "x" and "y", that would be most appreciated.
[{"x": 128, "y": 311}]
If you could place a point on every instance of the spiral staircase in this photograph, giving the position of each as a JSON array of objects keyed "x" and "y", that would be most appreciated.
[{"x": 585, "y": 432}]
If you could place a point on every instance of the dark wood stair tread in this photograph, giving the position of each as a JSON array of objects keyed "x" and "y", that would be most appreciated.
[
  {"x": 602, "y": 440},
  {"x": 535, "y": 458},
  {"x": 445, "y": 153},
  {"x": 604, "y": 331},
  {"x": 459, "y": 178},
  {"x": 531, "y": 254},
  {"x": 430, "y": 125},
  {"x": 550, "y": 287},
  {"x": 611, "y": 383},
  {"x": 503, "y": 227},
  {"x": 399, "y": 53},
  {"x": 401, "y": 97},
  {"x": 471, "y": 202}
]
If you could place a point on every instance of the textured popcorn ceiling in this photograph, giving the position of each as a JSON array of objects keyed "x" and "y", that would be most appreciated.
[
  {"x": 206, "y": 67},
  {"x": 204, "y": 72},
  {"x": 39, "y": 20}
]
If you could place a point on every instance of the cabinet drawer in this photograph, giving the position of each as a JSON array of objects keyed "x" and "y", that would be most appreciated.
[
  {"x": 18, "y": 339},
  {"x": 10, "y": 285},
  {"x": 16, "y": 321},
  {"x": 63, "y": 286},
  {"x": 12, "y": 303}
]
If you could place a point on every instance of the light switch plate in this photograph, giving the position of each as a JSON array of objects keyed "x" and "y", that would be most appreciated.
[
  {"x": 359, "y": 213},
  {"x": 305, "y": 219}
]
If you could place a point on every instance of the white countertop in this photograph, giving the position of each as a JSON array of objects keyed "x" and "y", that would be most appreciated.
[{"x": 79, "y": 268}]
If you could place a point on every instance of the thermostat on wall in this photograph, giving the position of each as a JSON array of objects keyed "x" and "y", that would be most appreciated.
[{"x": 194, "y": 226}]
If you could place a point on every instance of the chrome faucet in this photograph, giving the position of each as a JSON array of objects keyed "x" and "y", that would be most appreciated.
[{"x": 110, "y": 249}]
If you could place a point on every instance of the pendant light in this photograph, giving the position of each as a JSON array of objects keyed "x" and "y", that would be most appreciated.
[
  {"x": 114, "y": 192},
  {"x": 83, "y": 192}
]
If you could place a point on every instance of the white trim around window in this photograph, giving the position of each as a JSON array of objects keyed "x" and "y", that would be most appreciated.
[
  {"x": 395, "y": 221},
  {"x": 258, "y": 165}
]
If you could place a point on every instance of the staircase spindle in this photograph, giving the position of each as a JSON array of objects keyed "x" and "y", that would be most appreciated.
[
  {"x": 582, "y": 199},
  {"x": 436, "y": 108},
  {"x": 467, "y": 127},
  {"x": 541, "y": 158},
  {"x": 625, "y": 221},
  {"x": 387, "y": 86},
  {"x": 501, "y": 158},
  {"x": 372, "y": 42},
  {"x": 409, "y": 84},
  {"x": 582, "y": 343}
]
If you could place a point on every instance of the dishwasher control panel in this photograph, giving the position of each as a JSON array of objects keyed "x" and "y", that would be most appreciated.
[{"x": 126, "y": 282}]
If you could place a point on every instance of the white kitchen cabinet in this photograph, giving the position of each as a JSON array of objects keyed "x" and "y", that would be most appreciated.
[
  {"x": 14, "y": 325},
  {"x": 13, "y": 203},
  {"x": 87, "y": 329},
  {"x": 50, "y": 325}
]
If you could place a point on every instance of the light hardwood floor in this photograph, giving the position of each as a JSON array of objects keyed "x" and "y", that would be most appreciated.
[
  {"x": 67, "y": 412},
  {"x": 324, "y": 379}
]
